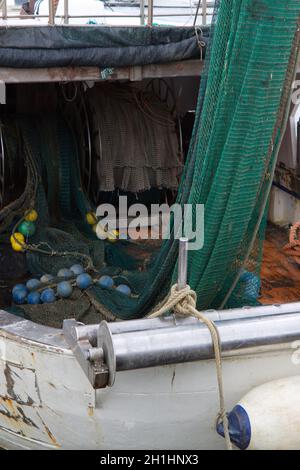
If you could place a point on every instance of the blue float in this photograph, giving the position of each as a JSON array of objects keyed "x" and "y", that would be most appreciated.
[
  {"x": 123, "y": 289},
  {"x": 77, "y": 269},
  {"x": 83, "y": 281},
  {"x": 48, "y": 296},
  {"x": 251, "y": 285},
  {"x": 64, "y": 289},
  {"x": 18, "y": 287},
  {"x": 33, "y": 284},
  {"x": 34, "y": 298},
  {"x": 106, "y": 282},
  {"x": 20, "y": 295},
  {"x": 65, "y": 273}
]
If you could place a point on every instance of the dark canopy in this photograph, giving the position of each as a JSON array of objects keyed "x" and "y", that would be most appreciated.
[{"x": 101, "y": 46}]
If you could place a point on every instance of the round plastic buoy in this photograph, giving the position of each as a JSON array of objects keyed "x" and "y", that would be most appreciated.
[
  {"x": 106, "y": 282},
  {"x": 48, "y": 296},
  {"x": 251, "y": 284},
  {"x": 27, "y": 228},
  {"x": 31, "y": 216},
  {"x": 66, "y": 273},
  {"x": 17, "y": 236},
  {"x": 18, "y": 287},
  {"x": 17, "y": 241},
  {"x": 19, "y": 296},
  {"x": 34, "y": 298},
  {"x": 267, "y": 417},
  {"x": 33, "y": 284},
  {"x": 91, "y": 218},
  {"x": 84, "y": 281},
  {"x": 46, "y": 278},
  {"x": 64, "y": 289},
  {"x": 77, "y": 269},
  {"x": 123, "y": 289}
]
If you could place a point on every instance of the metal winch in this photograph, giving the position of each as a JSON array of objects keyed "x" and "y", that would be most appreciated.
[{"x": 107, "y": 348}]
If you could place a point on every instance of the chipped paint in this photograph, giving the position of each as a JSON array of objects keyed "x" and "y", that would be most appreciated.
[
  {"x": 15, "y": 413},
  {"x": 51, "y": 437},
  {"x": 20, "y": 402},
  {"x": 10, "y": 382},
  {"x": 49, "y": 433},
  {"x": 14, "y": 419}
]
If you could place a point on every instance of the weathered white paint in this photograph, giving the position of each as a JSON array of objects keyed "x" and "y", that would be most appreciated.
[
  {"x": 47, "y": 402},
  {"x": 274, "y": 414}
]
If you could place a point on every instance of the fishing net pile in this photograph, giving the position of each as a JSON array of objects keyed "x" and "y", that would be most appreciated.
[
  {"x": 120, "y": 115},
  {"x": 240, "y": 118}
]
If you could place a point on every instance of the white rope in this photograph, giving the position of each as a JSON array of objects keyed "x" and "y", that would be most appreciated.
[{"x": 184, "y": 302}]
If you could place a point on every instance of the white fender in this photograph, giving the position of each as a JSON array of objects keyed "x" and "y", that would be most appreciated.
[{"x": 268, "y": 417}]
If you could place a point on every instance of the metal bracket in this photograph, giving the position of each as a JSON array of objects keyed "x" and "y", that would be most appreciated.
[
  {"x": 91, "y": 359},
  {"x": 94, "y": 345}
]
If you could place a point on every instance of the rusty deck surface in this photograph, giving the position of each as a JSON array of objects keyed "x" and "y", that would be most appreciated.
[{"x": 280, "y": 273}]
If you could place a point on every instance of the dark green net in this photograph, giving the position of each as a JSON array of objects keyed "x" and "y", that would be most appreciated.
[{"x": 243, "y": 100}]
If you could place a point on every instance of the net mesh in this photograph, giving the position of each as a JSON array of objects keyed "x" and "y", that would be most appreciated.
[
  {"x": 138, "y": 121},
  {"x": 240, "y": 119}
]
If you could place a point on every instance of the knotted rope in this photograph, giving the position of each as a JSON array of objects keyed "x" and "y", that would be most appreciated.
[{"x": 184, "y": 302}]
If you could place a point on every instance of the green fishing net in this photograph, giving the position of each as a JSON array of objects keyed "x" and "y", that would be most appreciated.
[{"x": 240, "y": 118}]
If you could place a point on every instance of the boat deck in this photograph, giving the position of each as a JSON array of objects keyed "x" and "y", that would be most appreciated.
[{"x": 280, "y": 273}]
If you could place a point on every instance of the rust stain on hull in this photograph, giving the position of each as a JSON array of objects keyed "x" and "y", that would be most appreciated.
[
  {"x": 16, "y": 421},
  {"x": 10, "y": 383},
  {"x": 19, "y": 412},
  {"x": 15, "y": 413},
  {"x": 51, "y": 437}
]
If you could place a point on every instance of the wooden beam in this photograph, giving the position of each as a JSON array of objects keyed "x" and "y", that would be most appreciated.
[{"x": 188, "y": 68}]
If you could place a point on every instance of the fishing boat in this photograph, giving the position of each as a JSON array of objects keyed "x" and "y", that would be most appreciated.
[{"x": 114, "y": 378}]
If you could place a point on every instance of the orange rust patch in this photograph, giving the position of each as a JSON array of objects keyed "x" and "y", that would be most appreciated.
[
  {"x": 51, "y": 437},
  {"x": 9, "y": 404}
]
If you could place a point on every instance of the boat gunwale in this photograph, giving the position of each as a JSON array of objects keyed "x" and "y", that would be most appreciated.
[{"x": 35, "y": 335}]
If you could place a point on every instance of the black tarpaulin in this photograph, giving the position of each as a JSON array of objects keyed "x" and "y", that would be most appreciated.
[{"x": 101, "y": 46}]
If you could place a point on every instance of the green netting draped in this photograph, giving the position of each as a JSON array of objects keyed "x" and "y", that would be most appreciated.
[
  {"x": 251, "y": 66},
  {"x": 242, "y": 106},
  {"x": 240, "y": 119}
]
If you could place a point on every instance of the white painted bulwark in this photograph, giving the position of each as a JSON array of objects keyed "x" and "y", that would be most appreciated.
[{"x": 47, "y": 402}]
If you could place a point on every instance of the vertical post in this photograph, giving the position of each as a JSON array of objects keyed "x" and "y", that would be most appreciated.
[
  {"x": 150, "y": 12},
  {"x": 66, "y": 11},
  {"x": 51, "y": 12},
  {"x": 4, "y": 9},
  {"x": 182, "y": 263},
  {"x": 204, "y": 12},
  {"x": 142, "y": 12}
]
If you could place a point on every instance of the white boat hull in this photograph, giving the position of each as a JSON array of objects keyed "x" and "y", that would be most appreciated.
[{"x": 46, "y": 401}]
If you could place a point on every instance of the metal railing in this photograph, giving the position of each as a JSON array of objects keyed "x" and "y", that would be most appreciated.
[{"x": 146, "y": 12}]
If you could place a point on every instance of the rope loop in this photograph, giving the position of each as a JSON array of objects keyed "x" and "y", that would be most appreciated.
[{"x": 184, "y": 302}]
